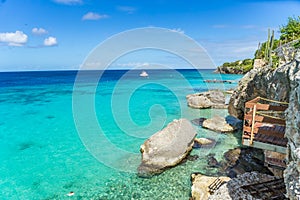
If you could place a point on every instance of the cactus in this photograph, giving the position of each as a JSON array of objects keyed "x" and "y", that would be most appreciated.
[
  {"x": 271, "y": 48},
  {"x": 267, "y": 46}
]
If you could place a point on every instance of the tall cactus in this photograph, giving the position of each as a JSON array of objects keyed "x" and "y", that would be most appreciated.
[
  {"x": 271, "y": 48},
  {"x": 267, "y": 46}
]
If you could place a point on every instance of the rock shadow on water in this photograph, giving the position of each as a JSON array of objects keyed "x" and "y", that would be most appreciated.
[
  {"x": 25, "y": 145},
  {"x": 50, "y": 116}
]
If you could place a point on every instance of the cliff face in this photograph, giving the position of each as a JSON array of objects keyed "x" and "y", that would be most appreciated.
[
  {"x": 292, "y": 173},
  {"x": 264, "y": 82},
  {"x": 282, "y": 84}
]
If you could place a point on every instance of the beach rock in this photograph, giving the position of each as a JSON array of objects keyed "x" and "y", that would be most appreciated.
[
  {"x": 167, "y": 147},
  {"x": 210, "y": 99},
  {"x": 218, "y": 124},
  {"x": 204, "y": 143},
  {"x": 200, "y": 184},
  {"x": 233, "y": 188}
]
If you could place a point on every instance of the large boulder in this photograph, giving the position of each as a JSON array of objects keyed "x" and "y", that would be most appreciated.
[
  {"x": 218, "y": 124},
  {"x": 167, "y": 147},
  {"x": 210, "y": 99}
]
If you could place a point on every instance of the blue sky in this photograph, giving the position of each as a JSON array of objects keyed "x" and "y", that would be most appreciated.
[{"x": 59, "y": 34}]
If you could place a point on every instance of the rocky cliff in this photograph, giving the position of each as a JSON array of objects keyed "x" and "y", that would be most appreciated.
[
  {"x": 292, "y": 173},
  {"x": 281, "y": 84}
]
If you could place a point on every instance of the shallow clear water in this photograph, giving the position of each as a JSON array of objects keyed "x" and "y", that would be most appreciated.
[{"x": 45, "y": 154}]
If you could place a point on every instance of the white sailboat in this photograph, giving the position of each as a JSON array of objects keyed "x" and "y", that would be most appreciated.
[{"x": 144, "y": 74}]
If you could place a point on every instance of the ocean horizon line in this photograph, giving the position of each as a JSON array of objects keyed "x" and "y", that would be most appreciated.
[{"x": 91, "y": 70}]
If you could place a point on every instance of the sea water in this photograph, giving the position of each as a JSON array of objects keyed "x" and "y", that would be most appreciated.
[{"x": 49, "y": 147}]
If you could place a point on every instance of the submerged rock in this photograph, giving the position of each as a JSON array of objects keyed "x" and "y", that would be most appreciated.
[
  {"x": 200, "y": 184},
  {"x": 218, "y": 124},
  {"x": 167, "y": 147},
  {"x": 212, "y": 161},
  {"x": 203, "y": 143},
  {"x": 210, "y": 99},
  {"x": 198, "y": 121}
]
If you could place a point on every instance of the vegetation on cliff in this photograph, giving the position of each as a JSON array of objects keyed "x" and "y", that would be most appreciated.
[{"x": 273, "y": 52}]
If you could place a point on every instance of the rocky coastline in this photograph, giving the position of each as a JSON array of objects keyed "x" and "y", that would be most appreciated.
[{"x": 241, "y": 166}]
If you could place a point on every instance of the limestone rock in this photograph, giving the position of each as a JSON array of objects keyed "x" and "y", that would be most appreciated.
[
  {"x": 259, "y": 63},
  {"x": 218, "y": 124},
  {"x": 200, "y": 183},
  {"x": 292, "y": 132},
  {"x": 210, "y": 99},
  {"x": 265, "y": 82},
  {"x": 204, "y": 143},
  {"x": 167, "y": 147},
  {"x": 233, "y": 188}
]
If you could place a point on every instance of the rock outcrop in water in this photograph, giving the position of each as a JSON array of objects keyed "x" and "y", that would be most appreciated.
[
  {"x": 218, "y": 124},
  {"x": 210, "y": 99},
  {"x": 282, "y": 84},
  {"x": 167, "y": 147}
]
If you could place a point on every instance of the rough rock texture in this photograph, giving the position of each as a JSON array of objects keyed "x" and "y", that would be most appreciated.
[
  {"x": 259, "y": 63},
  {"x": 210, "y": 99},
  {"x": 218, "y": 124},
  {"x": 264, "y": 82},
  {"x": 281, "y": 84},
  {"x": 292, "y": 173},
  {"x": 200, "y": 185},
  {"x": 167, "y": 147},
  {"x": 204, "y": 143},
  {"x": 242, "y": 160},
  {"x": 233, "y": 190}
]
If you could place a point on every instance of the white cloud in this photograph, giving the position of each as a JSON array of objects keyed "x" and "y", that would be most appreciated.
[
  {"x": 39, "y": 31},
  {"x": 50, "y": 41},
  {"x": 179, "y": 30},
  {"x": 127, "y": 9},
  {"x": 93, "y": 16},
  {"x": 14, "y": 39},
  {"x": 69, "y": 2}
]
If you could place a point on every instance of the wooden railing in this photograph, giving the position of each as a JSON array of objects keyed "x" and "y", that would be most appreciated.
[{"x": 264, "y": 120}]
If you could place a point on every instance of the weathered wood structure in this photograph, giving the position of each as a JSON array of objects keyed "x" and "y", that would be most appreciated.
[{"x": 264, "y": 125}]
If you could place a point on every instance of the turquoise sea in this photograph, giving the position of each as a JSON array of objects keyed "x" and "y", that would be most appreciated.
[{"x": 48, "y": 147}]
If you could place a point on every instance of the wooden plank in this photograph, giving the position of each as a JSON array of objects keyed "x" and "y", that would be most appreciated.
[
  {"x": 260, "y": 130},
  {"x": 266, "y": 146},
  {"x": 264, "y": 119},
  {"x": 253, "y": 125},
  {"x": 265, "y": 107}
]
